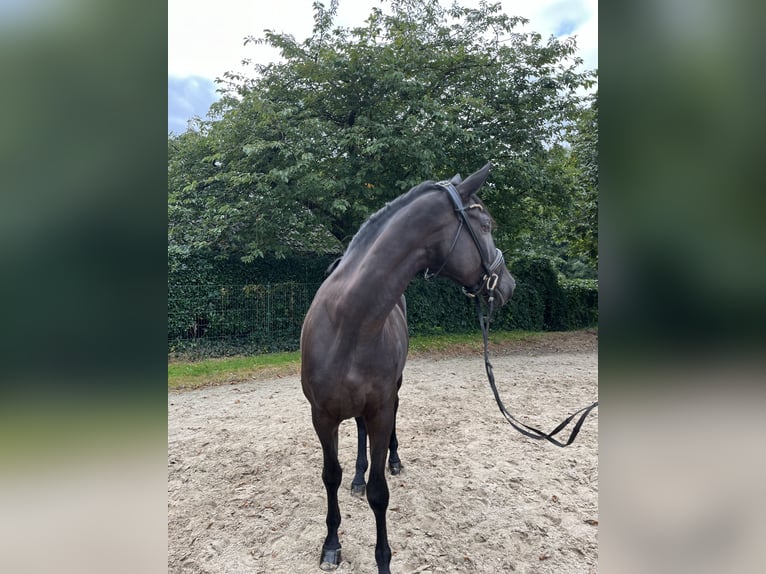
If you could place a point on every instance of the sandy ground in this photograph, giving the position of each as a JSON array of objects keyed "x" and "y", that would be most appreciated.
[{"x": 245, "y": 493}]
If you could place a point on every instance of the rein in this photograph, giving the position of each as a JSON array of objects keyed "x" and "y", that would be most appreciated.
[
  {"x": 524, "y": 429},
  {"x": 489, "y": 282}
]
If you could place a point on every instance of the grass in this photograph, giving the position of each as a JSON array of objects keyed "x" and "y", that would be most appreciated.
[
  {"x": 183, "y": 375},
  {"x": 454, "y": 343},
  {"x": 191, "y": 375}
]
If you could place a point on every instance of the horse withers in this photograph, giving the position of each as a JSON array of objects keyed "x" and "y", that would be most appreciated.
[{"x": 354, "y": 340}]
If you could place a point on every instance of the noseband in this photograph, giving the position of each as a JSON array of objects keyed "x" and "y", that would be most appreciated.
[{"x": 490, "y": 278}]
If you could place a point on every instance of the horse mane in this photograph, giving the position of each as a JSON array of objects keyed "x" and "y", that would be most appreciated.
[{"x": 375, "y": 223}]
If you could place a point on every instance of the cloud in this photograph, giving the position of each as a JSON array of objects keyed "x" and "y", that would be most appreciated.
[
  {"x": 560, "y": 18},
  {"x": 565, "y": 16},
  {"x": 188, "y": 97},
  {"x": 586, "y": 33}
]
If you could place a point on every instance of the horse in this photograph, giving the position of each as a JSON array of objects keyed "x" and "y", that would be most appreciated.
[{"x": 354, "y": 339}]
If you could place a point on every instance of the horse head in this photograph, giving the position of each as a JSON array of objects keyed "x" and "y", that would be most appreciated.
[{"x": 471, "y": 258}]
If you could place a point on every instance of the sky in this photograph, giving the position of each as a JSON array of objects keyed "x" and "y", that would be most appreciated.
[{"x": 206, "y": 39}]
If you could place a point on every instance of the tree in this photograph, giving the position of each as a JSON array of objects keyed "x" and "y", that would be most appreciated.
[
  {"x": 584, "y": 229},
  {"x": 299, "y": 154},
  {"x": 567, "y": 235}
]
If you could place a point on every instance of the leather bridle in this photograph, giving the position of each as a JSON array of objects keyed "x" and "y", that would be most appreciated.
[
  {"x": 489, "y": 282},
  {"x": 490, "y": 278}
]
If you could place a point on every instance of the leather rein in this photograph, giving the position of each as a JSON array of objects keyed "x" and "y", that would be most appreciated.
[{"x": 488, "y": 282}]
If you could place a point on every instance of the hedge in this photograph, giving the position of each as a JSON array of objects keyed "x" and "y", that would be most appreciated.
[
  {"x": 541, "y": 302},
  {"x": 258, "y": 316},
  {"x": 220, "y": 320}
]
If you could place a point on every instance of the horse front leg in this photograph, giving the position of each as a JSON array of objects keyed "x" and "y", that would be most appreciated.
[
  {"x": 358, "y": 485},
  {"x": 331, "y": 477},
  {"x": 379, "y": 430}
]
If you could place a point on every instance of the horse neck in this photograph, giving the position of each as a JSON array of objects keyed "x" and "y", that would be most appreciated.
[{"x": 374, "y": 279}]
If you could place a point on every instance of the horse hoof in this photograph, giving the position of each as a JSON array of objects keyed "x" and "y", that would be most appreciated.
[
  {"x": 395, "y": 467},
  {"x": 358, "y": 490},
  {"x": 330, "y": 559}
]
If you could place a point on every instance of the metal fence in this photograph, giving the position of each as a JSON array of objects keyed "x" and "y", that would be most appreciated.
[{"x": 215, "y": 320}]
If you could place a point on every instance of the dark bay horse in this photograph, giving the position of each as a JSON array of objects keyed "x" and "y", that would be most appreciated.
[{"x": 354, "y": 340}]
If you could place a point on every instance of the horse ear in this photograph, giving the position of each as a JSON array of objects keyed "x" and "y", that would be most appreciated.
[
  {"x": 473, "y": 182},
  {"x": 456, "y": 179}
]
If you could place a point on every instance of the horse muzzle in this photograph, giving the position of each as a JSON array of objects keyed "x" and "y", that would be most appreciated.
[{"x": 505, "y": 287}]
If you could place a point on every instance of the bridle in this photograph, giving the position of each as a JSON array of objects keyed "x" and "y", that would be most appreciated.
[
  {"x": 489, "y": 281},
  {"x": 490, "y": 278}
]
